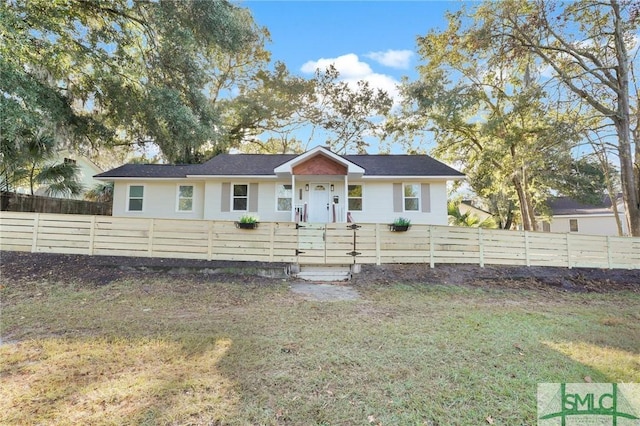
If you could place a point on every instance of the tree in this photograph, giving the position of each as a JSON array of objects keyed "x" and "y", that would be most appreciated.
[
  {"x": 590, "y": 47},
  {"x": 119, "y": 72},
  {"x": 274, "y": 106},
  {"x": 488, "y": 113},
  {"x": 273, "y": 103},
  {"x": 33, "y": 165},
  {"x": 349, "y": 114}
]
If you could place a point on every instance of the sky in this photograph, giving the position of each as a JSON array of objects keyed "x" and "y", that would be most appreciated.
[{"x": 366, "y": 40}]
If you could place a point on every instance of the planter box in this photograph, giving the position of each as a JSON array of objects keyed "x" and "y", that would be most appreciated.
[
  {"x": 245, "y": 225},
  {"x": 399, "y": 228}
]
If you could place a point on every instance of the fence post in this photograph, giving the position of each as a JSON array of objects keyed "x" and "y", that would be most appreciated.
[
  {"x": 150, "y": 249},
  {"x": 431, "y": 246},
  {"x": 481, "y": 245},
  {"x": 92, "y": 234},
  {"x": 609, "y": 251},
  {"x": 526, "y": 248},
  {"x": 568, "y": 251},
  {"x": 34, "y": 240},
  {"x": 378, "y": 255},
  {"x": 210, "y": 241},
  {"x": 272, "y": 231}
]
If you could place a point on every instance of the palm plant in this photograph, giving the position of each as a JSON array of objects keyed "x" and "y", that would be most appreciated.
[
  {"x": 101, "y": 192},
  {"x": 467, "y": 219},
  {"x": 31, "y": 162}
]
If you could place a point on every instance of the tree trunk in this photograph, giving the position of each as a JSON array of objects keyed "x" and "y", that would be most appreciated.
[
  {"x": 523, "y": 201},
  {"x": 622, "y": 120},
  {"x": 628, "y": 180}
]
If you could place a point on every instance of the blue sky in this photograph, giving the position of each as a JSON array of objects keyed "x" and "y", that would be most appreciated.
[{"x": 369, "y": 40}]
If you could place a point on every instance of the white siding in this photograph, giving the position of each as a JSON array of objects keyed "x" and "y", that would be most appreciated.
[
  {"x": 378, "y": 204},
  {"x": 160, "y": 199},
  {"x": 587, "y": 224}
]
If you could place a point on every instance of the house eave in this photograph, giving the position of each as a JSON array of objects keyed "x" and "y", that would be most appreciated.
[
  {"x": 232, "y": 177},
  {"x": 109, "y": 179},
  {"x": 582, "y": 215},
  {"x": 423, "y": 178}
]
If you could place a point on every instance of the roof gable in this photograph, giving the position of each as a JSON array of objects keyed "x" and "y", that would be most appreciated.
[
  {"x": 319, "y": 165},
  {"x": 288, "y": 167}
]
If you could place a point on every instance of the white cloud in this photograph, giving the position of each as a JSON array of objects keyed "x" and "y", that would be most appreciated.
[
  {"x": 349, "y": 66},
  {"x": 352, "y": 69},
  {"x": 392, "y": 58}
]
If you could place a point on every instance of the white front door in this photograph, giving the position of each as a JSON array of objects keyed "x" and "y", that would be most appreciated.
[{"x": 319, "y": 202}]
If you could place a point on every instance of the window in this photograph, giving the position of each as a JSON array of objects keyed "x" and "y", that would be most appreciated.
[
  {"x": 284, "y": 195},
  {"x": 240, "y": 197},
  {"x": 136, "y": 195},
  {"x": 185, "y": 198},
  {"x": 411, "y": 197},
  {"x": 573, "y": 225},
  {"x": 355, "y": 198}
]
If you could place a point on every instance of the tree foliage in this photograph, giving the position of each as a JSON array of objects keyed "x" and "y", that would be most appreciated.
[
  {"x": 489, "y": 113},
  {"x": 273, "y": 103},
  {"x": 508, "y": 90},
  {"x": 272, "y": 113},
  {"x": 119, "y": 72},
  {"x": 591, "y": 48},
  {"x": 348, "y": 113},
  {"x": 31, "y": 161}
]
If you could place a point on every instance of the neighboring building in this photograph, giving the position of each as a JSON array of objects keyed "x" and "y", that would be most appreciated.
[
  {"x": 569, "y": 215},
  {"x": 316, "y": 186},
  {"x": 467, "y": 206},
  {"x": 87, "y": 169}
]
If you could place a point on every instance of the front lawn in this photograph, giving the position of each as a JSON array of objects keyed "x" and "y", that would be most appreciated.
[{"x": 180, "y": 350}]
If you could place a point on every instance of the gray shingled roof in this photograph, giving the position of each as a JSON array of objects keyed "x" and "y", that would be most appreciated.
[
  {"x": 243, "y": 164},
  {"x": 402, "y": 165},
  {"x": 149, "y": 171},
  {"x": 264, "y": 164},
  {"x": 568, "y": 206}
]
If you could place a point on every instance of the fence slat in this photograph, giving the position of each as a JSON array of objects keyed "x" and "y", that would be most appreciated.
[{"x": 278, "y": 241}]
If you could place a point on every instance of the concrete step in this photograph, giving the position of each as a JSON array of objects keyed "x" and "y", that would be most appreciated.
[{"x": 324, "y": 273}]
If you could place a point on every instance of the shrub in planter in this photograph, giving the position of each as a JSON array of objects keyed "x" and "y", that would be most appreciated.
[
  {"x": 401, "y": 224},
  {"x": 247, "y": 222}
]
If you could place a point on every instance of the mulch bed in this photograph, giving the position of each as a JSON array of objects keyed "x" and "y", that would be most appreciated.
[{"x": 101, "y": 270}]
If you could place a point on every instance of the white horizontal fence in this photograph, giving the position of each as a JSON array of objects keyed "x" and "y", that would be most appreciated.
[{"x": 318, "y": 244}]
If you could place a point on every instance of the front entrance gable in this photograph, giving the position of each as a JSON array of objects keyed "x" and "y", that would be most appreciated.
[
  {"x": 319, "y": 165},
  {"x": 321, "y": 162}
]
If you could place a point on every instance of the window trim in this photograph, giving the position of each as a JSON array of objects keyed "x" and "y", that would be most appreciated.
[
  {"x": 192, "y": 198},
  {"x": 571, "y": 222},
  {"x": 128, "y": 198},
  {"x": 233, "y": 197},
  {"x": 361, "y": 197},
  {"x": 417, "y": 197},
  {"x": 278, "y": 185}
]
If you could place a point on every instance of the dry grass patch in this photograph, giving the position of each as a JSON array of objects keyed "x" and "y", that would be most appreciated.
[
  {"x": 98, "y": 381},
  {"x": 181, "y": 351}
]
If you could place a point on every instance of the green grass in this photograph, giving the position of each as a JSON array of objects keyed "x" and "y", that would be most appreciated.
[{"x": 176, "y": 351}]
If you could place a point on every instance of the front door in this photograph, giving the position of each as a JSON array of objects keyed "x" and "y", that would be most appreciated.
[{"x": 319, "y": 203}]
